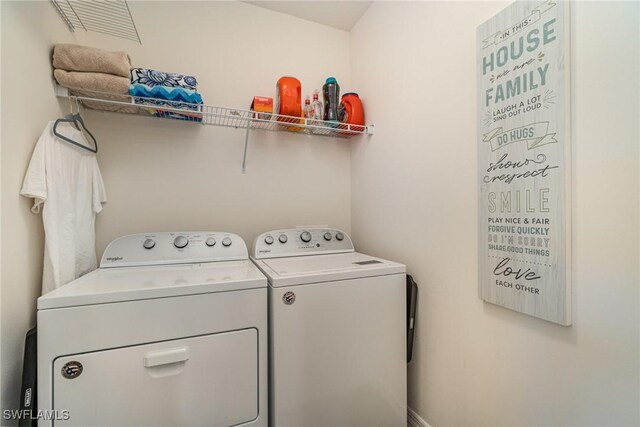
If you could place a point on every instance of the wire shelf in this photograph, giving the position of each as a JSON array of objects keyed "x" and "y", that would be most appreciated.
[
  {"x": 111, "y": 17},
  {"x": 212, "y": 115},
  {"x": 209, "y": 115}
]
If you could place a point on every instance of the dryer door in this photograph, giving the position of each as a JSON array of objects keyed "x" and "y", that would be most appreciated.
[{"x": 207, "y": 380}]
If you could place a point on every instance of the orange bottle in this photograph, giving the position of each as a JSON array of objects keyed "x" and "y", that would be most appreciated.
[
  {"x": 351, "y": 113},
  {"x": 288, "y": 98}
]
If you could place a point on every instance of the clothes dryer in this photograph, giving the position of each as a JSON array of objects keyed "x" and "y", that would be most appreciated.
[{"x": 171, "y": 330}]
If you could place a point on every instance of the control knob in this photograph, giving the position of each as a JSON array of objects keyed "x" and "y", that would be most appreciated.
[
  {"x": 180, "y": 242},
  {"x": 305, "y": 236},
  {"x": 149, "y": 244},
  {"x": 268, "y": 240},
  {"x": 210, "y": 242},
  {"x": 339, "y": 236},
  {"x": 226, "y": 241},
  {"x": 327, "y": 236},
  {"x": 283, "y": 238}
]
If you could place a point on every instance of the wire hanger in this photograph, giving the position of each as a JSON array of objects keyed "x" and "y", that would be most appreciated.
[{"x": 75, "y": 119}]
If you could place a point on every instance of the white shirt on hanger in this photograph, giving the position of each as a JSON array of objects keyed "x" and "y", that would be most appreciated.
[{"x": 66, "y": 185}]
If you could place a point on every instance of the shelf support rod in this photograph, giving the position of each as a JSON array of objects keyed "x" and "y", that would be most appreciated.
[{"x": 246, "y": 144}]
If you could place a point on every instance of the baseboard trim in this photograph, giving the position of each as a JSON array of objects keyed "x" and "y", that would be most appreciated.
[{"x": 415, "y": 420}]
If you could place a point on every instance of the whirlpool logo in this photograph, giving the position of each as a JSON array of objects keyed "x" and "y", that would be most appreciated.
[
  {"x": 72, "y": 369},
  {"x": 114, "y": 258}
]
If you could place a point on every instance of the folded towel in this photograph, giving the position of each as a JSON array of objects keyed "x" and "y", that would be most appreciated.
[
  {"x": 116, "y": 108},
  {"x": 98, "y": 85},
  {"x": 191, "y": 111},
  {"x": 170, "y": 104},
  {"x": 98, "y": 82},
  {"x": 153, "y": 78},
  {"x": 164, "y": 92},
  {"x": 152, "y": 87},
  {"x": 179, "y": 116},
  {"x": 72, "y": 57}
]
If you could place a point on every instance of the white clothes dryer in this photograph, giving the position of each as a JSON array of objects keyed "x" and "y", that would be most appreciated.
[
  {"x": 337, "y": 331},
  {"x": 171, "y": 330}
]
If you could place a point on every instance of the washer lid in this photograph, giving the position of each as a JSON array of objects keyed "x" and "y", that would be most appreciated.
[
  {"x": 110, "y": 285},
  {"x": 325, "y": 268}
]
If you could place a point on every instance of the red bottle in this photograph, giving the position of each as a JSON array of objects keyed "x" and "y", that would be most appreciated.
[{"x": 351, "y": 112}]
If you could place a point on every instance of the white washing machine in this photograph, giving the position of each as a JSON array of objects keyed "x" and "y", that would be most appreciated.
[
  {"x": 171, "y": 330},
  {"x": 337, "y": 331}
]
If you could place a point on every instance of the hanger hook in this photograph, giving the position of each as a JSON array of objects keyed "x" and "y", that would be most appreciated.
[{"x": 73, "y": 100}]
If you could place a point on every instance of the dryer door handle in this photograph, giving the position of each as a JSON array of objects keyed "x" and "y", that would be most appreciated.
[{"x": 165, "y": 357}]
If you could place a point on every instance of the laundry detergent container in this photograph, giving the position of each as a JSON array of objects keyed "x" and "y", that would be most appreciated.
[
  {"x": 351, "y": 113},
  {"x": 288, "y": 98}
]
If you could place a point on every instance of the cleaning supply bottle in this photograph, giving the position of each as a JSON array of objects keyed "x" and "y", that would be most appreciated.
[
  {"x": 288, "y": 100},
  {"x": 331, "y": 94},
  {"x": 317, "y": 108},
  {"x": 351, "y": 113},
  {"x": 308, "y": 110}
]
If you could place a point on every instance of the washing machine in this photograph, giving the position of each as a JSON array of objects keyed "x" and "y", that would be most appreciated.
[
  {"x": 171, "y": 330},
  {"x": 337, "y": 331}
]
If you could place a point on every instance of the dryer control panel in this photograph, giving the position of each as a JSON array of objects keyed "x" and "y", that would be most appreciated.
[
  {"x": 173, "y": 248},
  {"x": 300, "y": 242}
]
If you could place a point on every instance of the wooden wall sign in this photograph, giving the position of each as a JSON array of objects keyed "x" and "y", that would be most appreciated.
[{"x": 524, "y": 161}]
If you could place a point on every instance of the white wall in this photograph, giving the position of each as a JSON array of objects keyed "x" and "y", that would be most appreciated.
[
  {"x": 167, "y": 175},
  {"x": 414, "y": 200},
  {"x": 170, "y": 175},
  {"x": 27, "y": 103}
]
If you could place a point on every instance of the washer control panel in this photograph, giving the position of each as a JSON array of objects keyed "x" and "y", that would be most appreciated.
[
  {"x": 173, "y": 248},
  {"x": 300, "y": 242}
]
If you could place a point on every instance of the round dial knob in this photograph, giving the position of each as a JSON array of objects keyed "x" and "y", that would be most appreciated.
[
  {"x": 327, "y": 236},
  {"x": 268, "y": 240},
  {"x": 149, "y": 244},
  {"x": 339, "y": 236},
  {"x": 210, "y": 242},
  {"x": 180, "y": 242},
  {"x": 226, "y": 241},
  {"x": 283, "y": 238},
  {"x": 305, "y": 236}
]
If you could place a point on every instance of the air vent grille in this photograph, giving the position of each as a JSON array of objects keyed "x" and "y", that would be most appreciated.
[{"x": 111, "y": 17}]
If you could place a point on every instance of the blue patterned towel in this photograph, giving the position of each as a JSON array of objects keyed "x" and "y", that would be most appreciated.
[
  {"x": 165, "y": 92},
  {"x": 178, "y": 90},
  {"x": 153, "y": 78},
  {"x": 192, "y": 112},
  {"x": 171, "y": 104},
  {"x": 194, "y": 117}
]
